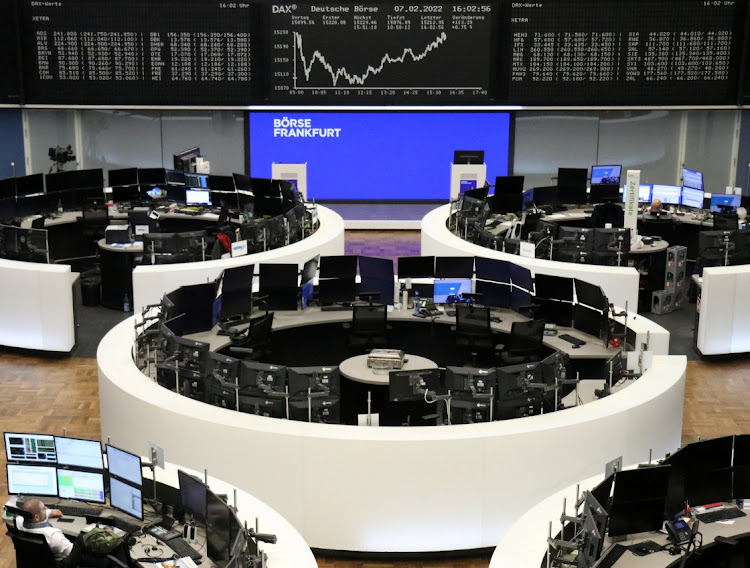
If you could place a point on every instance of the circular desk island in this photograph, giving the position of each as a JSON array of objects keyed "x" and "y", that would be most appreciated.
[
  {"x": 392, "y": 489},
  {"x": 620, "y": 284}
]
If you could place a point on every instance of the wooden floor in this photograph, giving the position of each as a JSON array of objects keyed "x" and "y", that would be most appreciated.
[{"x": 49, "y": 394}]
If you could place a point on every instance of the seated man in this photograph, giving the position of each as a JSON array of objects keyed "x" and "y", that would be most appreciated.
[
  {"x": 656, "y": 211},
  {"x": 58, "y": 543}
]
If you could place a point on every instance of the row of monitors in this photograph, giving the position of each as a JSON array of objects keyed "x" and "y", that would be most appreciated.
[
  {"x": 687, "y": 197},
  {"x": 71, "y": 452},
  {"x": 607, "y": 175},
  {"x": 709, "y": 471}
]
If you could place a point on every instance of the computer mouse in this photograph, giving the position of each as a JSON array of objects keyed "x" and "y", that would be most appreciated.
[{"x": 574, "y": 346}]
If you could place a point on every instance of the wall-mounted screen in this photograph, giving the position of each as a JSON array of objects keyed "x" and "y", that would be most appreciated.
[{"x": 377, "y": 155}]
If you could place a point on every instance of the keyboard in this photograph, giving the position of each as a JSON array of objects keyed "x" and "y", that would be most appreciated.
[
  {"x": 571, "y": 339},
  {"x": 165, "y": 535},
  {"x": 127, "y": 526},
  {"x": 610, "y": 558},
  {"x": 720, "y": 515},
  {"x": 79, "y": 510},
  {"x": 182, "y": 548}
]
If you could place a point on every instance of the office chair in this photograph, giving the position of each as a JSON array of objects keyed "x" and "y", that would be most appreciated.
[
  {"x": 524, "y": 344},
  {"x": 473, "y": 330},
  {"x": 256, "y": 342},
  {"x": 608, "y": 213},
  {"x": 32, "y": 550},
  {"x": 726, "y": 221},
  {"x": 368, "y": 327},
  {"x": 659, "y": 227}
]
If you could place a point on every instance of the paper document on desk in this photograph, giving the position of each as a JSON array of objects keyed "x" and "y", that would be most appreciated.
[{"x": 186, "y": 562}]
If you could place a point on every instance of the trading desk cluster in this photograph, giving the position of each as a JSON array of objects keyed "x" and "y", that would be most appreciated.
[
  {"x": 477, "y": 215},
  {"x": 271, "y": 212},
  {"x": 70, "y": 474},
  {"x": 694, "y": 485},
  {"x": 528, "y": 381}
]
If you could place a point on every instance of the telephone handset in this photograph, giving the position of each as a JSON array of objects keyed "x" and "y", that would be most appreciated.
[{"x": 679, "y": 532}]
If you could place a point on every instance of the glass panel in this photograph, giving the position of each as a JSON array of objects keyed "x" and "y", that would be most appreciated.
[
  {"x": 49, "y": 128},
  {"x": 708, "y": 147}
]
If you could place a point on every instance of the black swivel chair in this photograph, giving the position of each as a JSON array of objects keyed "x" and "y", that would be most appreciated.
[
  {"x": 661, "y": 226},
  {"x": 473, "y": 331},
  {"x": 255, "y": 344},
  {"x": 524, "y": 344},
  {"x": 368, "y": 328},
  {"x": 32, "y": 550},
  {"x": 608, "y": 213}
]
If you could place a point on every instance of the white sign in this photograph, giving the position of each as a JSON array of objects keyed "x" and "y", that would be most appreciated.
[
  {"x": 527, "y": 249},
  {"x": 632, "y": 185},
  {"x": 239, "y": 248}
]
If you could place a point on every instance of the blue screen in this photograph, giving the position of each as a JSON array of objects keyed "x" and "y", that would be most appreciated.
[
  {"x": 692, "y": 178},
  {"x": 667, "y": 194},
  {"x": 377, "y": 155},
  {"x": 732, "y": 201},
  {"x": 692, "y": 197},
  {"x": 453, "y": 289},
  {"x": 605, "y": 174},
  {"x": 644, "y": 193}
]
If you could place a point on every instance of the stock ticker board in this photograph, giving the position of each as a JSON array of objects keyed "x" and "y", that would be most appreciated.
[
  {"x": 140, "y": 52},
  {"x": 209, "y": 53}
]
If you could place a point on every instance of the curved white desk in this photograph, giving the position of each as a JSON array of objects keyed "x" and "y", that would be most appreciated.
[
  {"x": 392, "y": 489},
  {"x": 37, "y": 306},
  {"x": 620, "y": 284},
  {"x": 722, "y": 323},
  {"x": 150, "y": 283}
]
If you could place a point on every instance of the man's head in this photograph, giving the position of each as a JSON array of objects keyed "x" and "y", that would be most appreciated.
[
  {"x": 36, "y": 508},
  {"x": 656, "y": 206}
]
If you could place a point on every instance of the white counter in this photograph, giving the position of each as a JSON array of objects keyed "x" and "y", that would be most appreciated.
[
  {"x": 151, "y": 282},
  {"x": 392, "y": 489},
  {"x": 723, "y": 326},
  {"x": 36, "y": 304},
  {"x": 620, "y": 284}
]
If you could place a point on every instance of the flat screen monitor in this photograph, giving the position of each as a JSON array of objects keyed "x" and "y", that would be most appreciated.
[
  {"x": 197, "y": 197},
  {"x": 412, "y": 385},
  {"x": 725, "y": 203},
  {"x": 218, "y": 533},
  {"x": 644, "y": 193},
  {"x": 546, "y": 195},
  {"x": 30, "y": 185},
  {"x": 574, "y": 178},
  {"x": 193, "y": 495},
  {"x": 553, "y": 287},
  {"x": 152, "y": 176},
  {"x": 318, "y": 379},
  {"x": 79, "y": 453},
  {"x": 520, "y": 276},
  {"x": 126, "y": 498},
  {"x": 715, "y": 245},
  {"x": 612, "y": 240},
  {"x": 416, "y": 267},
  {"x": 471, "y": 380},
  {"x": 605, "y": 193},
  {"x": 30, "y": 448},
  {"x": 451, "y": 291},
  {"x": 197, "y": 180},
  {"x": 667, "y": 194},
  {"x": 509, "y": 184},
  {"x": 692, "y": 179},
  {"x": 309, "y": 270},
  {"x": 243, "y": 182},
  {"x": 123, "y": 177},
  {"x": 80, "y": 485},
  {"x": 741, "y": 463},
  {"x": 237, "y": 290},
  {"x": 7, "y": 188},
  {"x": 590, "y": 295},
  {"x": 492, "y": 270},
  {"x": 725, "y": 221},
  {"x": 589, "y": 321},
  {"x": 176, "y": 194},
  {"x": 506, "y": 202},
  {"x": 468, "y": 156},
  {"x": 124, "y": 465},
  {"x": 605, "y": 175},
  {"x": 336, "y": 290},
  {"x": 221, "y": 183},
  {"x": 454, "y": 266},
  {"x": 692, "y": 197},
  {"x": 493, "y": 294},
  {"x": 261, "y": 378},
  {"x": 32, "y": 480},
  {"x": 641, "y": 484},
  {"x": 344, "y": 266},
  {"x": 279, "y": 282}
]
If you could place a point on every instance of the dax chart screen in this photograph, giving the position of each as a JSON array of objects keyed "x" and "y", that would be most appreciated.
[{"x": 352, "y": 52}]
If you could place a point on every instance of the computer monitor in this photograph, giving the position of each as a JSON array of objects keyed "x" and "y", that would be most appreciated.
[
  {"x": 26, "y": 479},
  {"x": 605, "y": 193},
  {"x": 508, "y": 196},
  {"x": 725, "y": 221},
  {"x": 571, "y": 184},
  {"x": 185, "y": 160},
  {"x": 590, "y": 295},
  {"x": 577, "y": 238},
  {"x": 344, "y": 266},
  {"x": 221, "y": 183},
  {"x": 416, "y": 267},
  {"x": 218, "y": 533},
  {"x": 197, "y": 197},
  {"x": 79, "y": 453},
  {"x": 692, "y": 198},
  {"x": 126, "y": 498},
  {"x": 309, "y": 270},
  {"x": 193, "y": 354},
  {"x": 667, "y": 194},
  {"x": 279, "y": 282},
  {"x": 324, "y": 379},
  {"x": 605, "y": 175},
  {"x": 196, "y": 180},
  {"x": 122, "y": 177},
  {"x": 553, "y": 287},
  {"x": 336, "y": 290},
  {"x": 470, "y": 381},
  {"x": 124, "y": 465},
  {"x": 30, "y": 448},
  {"x": 724, "y": 203},
  {"x": 376, "y": 277},
  {"x": 152, "y": 176},
  {"x": 493, "y": 294},
  {"x": 589, "y": 321},
  {"x": 451, "y": 291},
  {"x": 492, "y": 270},
  {"x": 80, "y": 485},
  {"x": 262, "y": 378},
  {"x": 716, "y": 245},
  {"x": 612, "y": 240},
  {"x": 454, "y": 266},
  {"x": 160, "y": 243},
  {"x": 412, "y": 385},
  {"x": 741, "y": 464},
  {"x": 468, "y": 156},
  {"x": 692, "y": 179},
  {"x": 7, "y": 188},
  {"x": 193, "y": 495},
  {"x": 237, "y": 290},
  {"x": 30, "y": 185},
  {"x": 263, "y": 406}
]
